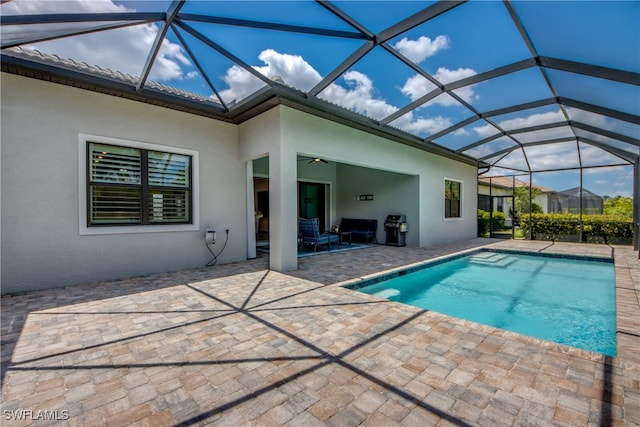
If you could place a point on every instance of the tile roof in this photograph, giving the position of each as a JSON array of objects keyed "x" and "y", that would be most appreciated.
[
  {"x": 509, "y": 182},
  {"x": 95, "y": 70}
]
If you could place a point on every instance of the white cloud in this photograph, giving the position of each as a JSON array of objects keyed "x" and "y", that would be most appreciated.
[
  {"x": 592, "y": 155},
  {"x": 417, "y": 86},
  {"x": 513, "y": 160},
  {"x": 609, "y": 175},
  {"x": 124, "y": 50},
  {"x": 561, "y": 156},
  {"x": 461, "y": 132},
  {"x": 553, "y": 156},
  {"x": 545, "y": 134},
  {"x": 588, "y": 117},
  {"x": 422, "y": 125},
  {"x": 296, "y": 72},
  {"x": 444, "y": 100},
  {"x": 524, "y": 122},
  {"x": 423, "y": 48},
  {"x": 490, "y": 148},
  {"x": 293, "y": 70},
  {"x": 485, "y": 130},
  {"x": 467, "y": 93},
  {"x": 359, "y": 96},
  {"x": 20, "y": 7},
  {"x": 532, "y": 120},
  {"x": 444, "y": 75},
  {"x": 241, "y": 84}
]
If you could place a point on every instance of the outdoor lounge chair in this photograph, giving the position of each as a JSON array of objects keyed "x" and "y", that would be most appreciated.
[{"x": 309, "y": 230}]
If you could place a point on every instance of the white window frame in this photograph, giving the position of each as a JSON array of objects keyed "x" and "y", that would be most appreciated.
[
  {"x": 457, "y": 218},
  {"x": 85, "y": 230}
]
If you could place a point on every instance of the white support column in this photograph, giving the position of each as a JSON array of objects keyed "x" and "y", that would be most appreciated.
[
  {"x": 251, "y": 218},
  {"x": 283, "y": 218}
]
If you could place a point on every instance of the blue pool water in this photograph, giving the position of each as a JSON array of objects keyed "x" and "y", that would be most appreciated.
[{"x": 569, "y": 301}]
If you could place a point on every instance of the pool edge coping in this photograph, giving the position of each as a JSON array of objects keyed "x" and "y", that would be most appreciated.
[{"x": 402, "y": 270}]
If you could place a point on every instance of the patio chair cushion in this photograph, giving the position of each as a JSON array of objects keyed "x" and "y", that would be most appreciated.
[{"x": 309, "y": 231}]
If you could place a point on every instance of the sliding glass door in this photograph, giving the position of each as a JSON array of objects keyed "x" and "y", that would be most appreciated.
[{"x": 312, "y": 202}]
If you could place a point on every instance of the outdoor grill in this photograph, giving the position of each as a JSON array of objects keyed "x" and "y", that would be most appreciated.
[{"x": 395, "y": 227}]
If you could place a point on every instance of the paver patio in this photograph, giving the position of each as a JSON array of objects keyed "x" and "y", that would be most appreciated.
[{"x": 238, "y": 344}]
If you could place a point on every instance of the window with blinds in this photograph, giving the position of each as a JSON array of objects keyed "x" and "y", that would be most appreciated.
[
  {"x": 452, "y": 197},
  {"x": 135, "y": 186}
]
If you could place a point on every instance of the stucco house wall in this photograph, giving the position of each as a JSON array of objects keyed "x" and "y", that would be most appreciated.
[
  {"x": 41, "y": 242},
  {"x": 301, "y": 133},
  {"x": 541, "y": 199},
  {"x": 393, "y": 193},
  {"x": 45, "y": 127},
  {"x": 306, "y": 133}
]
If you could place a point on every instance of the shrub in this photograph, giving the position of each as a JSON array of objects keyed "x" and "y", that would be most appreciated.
[
  {"x": 483, "y": 222},
  {"x": 563, "y": 226},
  {"x": 498, "y": 219}
]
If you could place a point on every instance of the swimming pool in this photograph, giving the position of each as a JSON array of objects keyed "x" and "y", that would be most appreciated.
[{"x": 568, "y": 300}]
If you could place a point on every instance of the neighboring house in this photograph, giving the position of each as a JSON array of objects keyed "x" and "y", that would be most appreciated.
[
  {"x": 76, "y": 164},
  {"x": 568, "y": 201},
  {"x": 500, "y": 189}
]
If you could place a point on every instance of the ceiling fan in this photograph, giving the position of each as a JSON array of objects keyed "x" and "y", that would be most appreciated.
[{"x": 313, "y": 159}]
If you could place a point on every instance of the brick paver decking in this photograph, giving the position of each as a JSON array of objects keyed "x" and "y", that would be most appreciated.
[{"x": 238, "y": 344}]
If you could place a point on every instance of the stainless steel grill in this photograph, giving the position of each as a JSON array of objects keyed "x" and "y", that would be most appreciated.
[{"x": 396, "y": 228}]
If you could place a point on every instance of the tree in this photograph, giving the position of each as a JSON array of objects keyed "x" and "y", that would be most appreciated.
[
  {"x": 521, "y": 202},
  {"x": 619, "y": 205}
]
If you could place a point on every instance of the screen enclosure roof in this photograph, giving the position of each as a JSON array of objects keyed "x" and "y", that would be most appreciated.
[{"x": 518, "y": 86}]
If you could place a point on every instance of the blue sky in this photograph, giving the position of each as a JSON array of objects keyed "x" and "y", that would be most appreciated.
[{"x": 470, "y": 39}]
